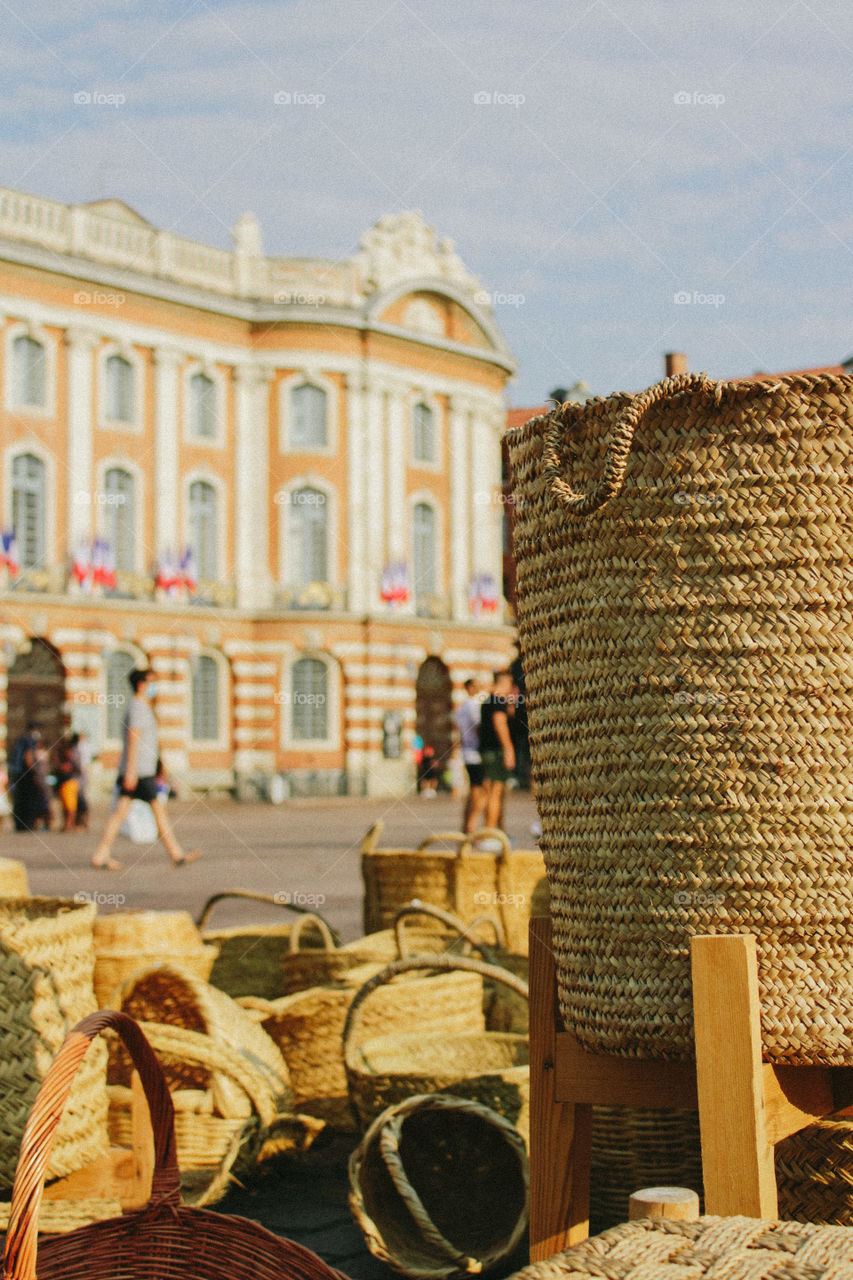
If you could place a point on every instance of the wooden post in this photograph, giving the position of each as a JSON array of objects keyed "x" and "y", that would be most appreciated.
[
  {"x": 677, "y": 1203},
  {"x": 560, "y": 1132},
  {"x": 737, "y": 1154}
]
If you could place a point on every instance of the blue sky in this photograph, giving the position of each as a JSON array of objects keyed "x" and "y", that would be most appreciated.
[{"x": 630, "y": 152}]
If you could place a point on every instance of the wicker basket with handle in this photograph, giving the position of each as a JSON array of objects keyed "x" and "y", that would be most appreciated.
[
  {"x": 684, "y": 604},
  {"x": 129, "y": 941},
  {"x": 164, "y": 1239},
  {"x": 302, "y": 969}
]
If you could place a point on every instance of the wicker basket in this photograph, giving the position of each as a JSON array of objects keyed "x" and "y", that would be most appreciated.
[
  {"x": 462, "y": 880},
  {"x": 302, "y": 969},
  {"x": 127, "y": 942},
  {"x": 162, "y": 1240},
  {"x": 308, "y": 1029},
  {"x": 683, "y": 601},
  {"x": 14, "y": 882},
  {"x": 439, "y": 1188},
  {"x": 814, "y": 1172},
  {"x": 249, "y": 959},
  {"x": 727, "y": 1248},
  {"x": 46, "y": 964},
  {"x": 490, "y": 1067}
]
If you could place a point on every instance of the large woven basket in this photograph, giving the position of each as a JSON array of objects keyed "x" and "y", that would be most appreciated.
[
  {"x": 249, "y": 955},
  {"x": 46, "y": 965},
  {"x": 129, "y": 941},
  {"x": 308, "y": 1028},
  {"x": 439, "y": 1188},
  {"x": 726, "y": 1248},
  {"x": 684, "y": 561},
  {"x": 490, "y": 1067},
  {"x": 164, "y": 1239},
  {"x": 814, "y": 1172},
  {"x": 462, "y": 879}
]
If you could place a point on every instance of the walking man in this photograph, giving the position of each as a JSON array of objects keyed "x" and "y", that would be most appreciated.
[
  {"x": 137, "y": 776},
  {"x": 467, "y": 719},
  {"x": 496, "y": 746}
]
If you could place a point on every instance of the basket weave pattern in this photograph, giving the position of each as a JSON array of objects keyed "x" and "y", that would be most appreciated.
[{"x": 684, "y": 601}]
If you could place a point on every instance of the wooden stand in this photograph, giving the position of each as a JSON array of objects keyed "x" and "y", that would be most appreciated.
[{"x": 745, "y": 1106}]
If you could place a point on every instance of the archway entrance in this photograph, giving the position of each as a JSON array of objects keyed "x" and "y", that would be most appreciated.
[
  {"x": 37, "y": 692},
  {"x": 434, "y": 710}
]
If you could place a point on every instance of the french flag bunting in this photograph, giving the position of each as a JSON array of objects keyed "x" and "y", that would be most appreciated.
[
  {"x": 9, "y": 552},
  {"x": 81, "y": 568},
  {"x": 188, "y": 576}
]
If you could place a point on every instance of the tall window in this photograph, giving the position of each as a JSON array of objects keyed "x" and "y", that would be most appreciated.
[
  {"x": 423, "y": 433},
  {"x": 28, "y": 509},
  {"x": 308, "y": 537},
  {"x": 202, "y": 407},
  {"x": 309, "y": 716},
  {"x": 203, "y": 531},
  {"x": 119, "y": 399},
  {"x": 28, "y": 372},
  {"x": 205, "y": 700},
  {"x": 423, "y": 550},
  {"x": 119, "y": 667},
  {"x": 308, "y": 428},
  {"x": 120, "y": 517}
]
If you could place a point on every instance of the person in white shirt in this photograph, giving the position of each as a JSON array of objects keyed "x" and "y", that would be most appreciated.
[{"x": 467, "y": 718}]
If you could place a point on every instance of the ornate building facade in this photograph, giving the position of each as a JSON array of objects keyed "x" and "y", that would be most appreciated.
[{"x": 276, "y": 481}]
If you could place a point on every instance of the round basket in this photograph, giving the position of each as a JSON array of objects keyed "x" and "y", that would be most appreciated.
[
  {"x": 129, "y": 941},
  {"x": 302, "y": 969},
  {"x": 14, "y": 882},
  {"x": 250, "y": 955},
  {"x": 46, "y": 964},
  {"x": 685, "y": 626},
  {"x": 489, "y": 1067},
  {"x": 439, "y": 1188}
]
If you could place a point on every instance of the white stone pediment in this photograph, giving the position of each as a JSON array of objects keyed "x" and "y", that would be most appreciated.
[{"x": 403, "y": 247}]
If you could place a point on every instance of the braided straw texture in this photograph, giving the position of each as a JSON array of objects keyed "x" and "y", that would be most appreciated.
[
  {"x": 724, "y": 1248},
  {"x": 685, "y": 578},
  {"x": 128, "y": 941},
  {"x": 439, "y": 1188},
  {"x": 46, "y": 964},
  {"x": 814, "y": 1172}
]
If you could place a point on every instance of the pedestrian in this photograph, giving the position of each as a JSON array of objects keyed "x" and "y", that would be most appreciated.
[
  {"x": 81, "y": 754},
  {"x": 67, "y": 785},
  {"x": 137, "y": 776},
  {"x": 28, "y": 801},
  {"x": 467, "y": 719},
  {"x": 496, "y": 746}
]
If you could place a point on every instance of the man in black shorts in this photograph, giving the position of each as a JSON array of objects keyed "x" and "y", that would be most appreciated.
[
  {"x": 137, "y": 776},
  {"x": 496, "y": 745}
]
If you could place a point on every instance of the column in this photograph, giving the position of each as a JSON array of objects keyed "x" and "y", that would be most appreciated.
[
  {"x": 167, "y": 362},
  {"x": 358, "y": 586},
  {"x": 374, "y": 464},
  {"x": 396, "y": 522},
  {"x": 251, "y": 482},
  {"x": 461, "y": 496},
  {"x": 80, "y": 345}
]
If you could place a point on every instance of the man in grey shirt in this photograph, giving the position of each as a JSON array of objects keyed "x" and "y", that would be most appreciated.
[{"x": 137, "y": 776}]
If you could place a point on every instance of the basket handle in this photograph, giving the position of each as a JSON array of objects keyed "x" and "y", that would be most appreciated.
[
  {"x": 466, "y": 931},
  {"x": 21, "y": 1239},
  {"x": 618, "y": 446},
  {"x": 492, "y": 833},
  {"x": 305, "y": 920},
  {"x": 450, "y": 837},
  {"x": 443, "y": 964},
  {"x": 372, "y": 837},
  {"x": 254, "y": 897}
]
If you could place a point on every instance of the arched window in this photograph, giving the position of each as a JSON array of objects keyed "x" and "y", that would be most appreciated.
[
  {"x": 423, "y": 550},
  {"x": 423, "y": 433},
  {"x": 202, "y": 407},
  {"x": 308, "y": 412},
  {"x": 203, "y": 528},
  {"x": 205, "y": 699},
  {"x": 119, "y": 693},
  {"x": 28, "y": 509},
  {"x": 308, "y": 537},
  {"x": 120, "y": 390},
  {"x": 120, "y": 517},
  {"x": 28, "y": 372},
  {"x": 309, "y": 716}
]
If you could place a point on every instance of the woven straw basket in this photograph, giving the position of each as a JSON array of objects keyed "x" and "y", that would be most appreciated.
[
  {"x": 46, "y": 964},
  {"x": 490, "y": 1067},
  {"x": 727, "y": 1248},
  {"x": 249, "y": 956},
  {"x": 439, "y": 1188},
  {"x": 14, "y": 882},
  {"x": 814, "y": 1172},
  {"x": 302, "y": 969},
  {"x": 127, "y": 942},
  {"x": 684, "y": 588},
  {"x": 162, "y": 1240},
  {"x": 308, "y": 1027},
  {"x": 463, "y": 880}
]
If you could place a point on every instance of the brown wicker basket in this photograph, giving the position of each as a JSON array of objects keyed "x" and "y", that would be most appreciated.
[
  {"x": 814, "y": 1172},
  {"x": 127, "y": 942},
  {"x": 725, "y": 1248},
  {"x": 302, "y": 969},
  {"x": 439, "y": 1188},
  {"x": 683, "y": 600},
  {"x": 162, "y": 1240},
  {"x": 46, "y": 965}
]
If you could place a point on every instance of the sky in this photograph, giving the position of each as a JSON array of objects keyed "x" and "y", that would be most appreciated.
[{"x": 625, "y": 177}]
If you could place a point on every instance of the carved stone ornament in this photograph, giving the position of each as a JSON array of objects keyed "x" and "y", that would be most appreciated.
[{"x": 402, "y": 247}]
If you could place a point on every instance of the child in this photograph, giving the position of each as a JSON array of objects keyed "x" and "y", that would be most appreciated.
[{"x": 67, "y": 785}]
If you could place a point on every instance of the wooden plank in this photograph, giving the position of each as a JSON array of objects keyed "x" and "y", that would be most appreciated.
[
  {"x": 737, "y": 1154},
  {"x": 560, "y": 1132},
  {"x": 621, "y": 1082}
]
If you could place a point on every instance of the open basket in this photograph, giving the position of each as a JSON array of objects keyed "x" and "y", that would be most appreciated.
[{"x": 164, "y": 1239}]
